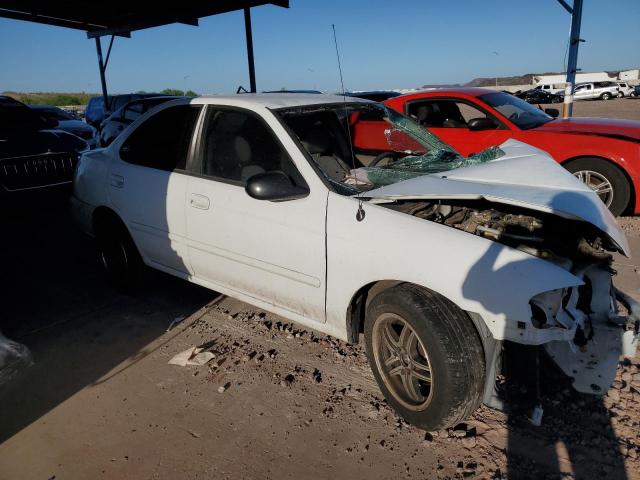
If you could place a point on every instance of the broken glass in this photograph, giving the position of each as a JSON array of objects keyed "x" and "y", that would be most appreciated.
[
  {"x": 439, "y": 156},
  {"x": 398, "y": 147}
]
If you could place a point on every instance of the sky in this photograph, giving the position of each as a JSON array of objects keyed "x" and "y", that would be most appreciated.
[{"x": 383, "y": 44}]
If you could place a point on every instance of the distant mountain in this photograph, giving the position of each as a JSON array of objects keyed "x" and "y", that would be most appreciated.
[{"x": 526, "y": 79}]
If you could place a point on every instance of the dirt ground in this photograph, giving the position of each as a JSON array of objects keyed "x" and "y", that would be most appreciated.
[
  {"x": 276, "y": 402},
  {"x": 624, "y": 108}
]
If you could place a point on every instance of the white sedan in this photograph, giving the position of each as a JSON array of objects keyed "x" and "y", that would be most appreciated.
[{"x": 351, "y": 219}]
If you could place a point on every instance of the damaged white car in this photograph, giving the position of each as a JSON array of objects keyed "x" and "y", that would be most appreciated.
[{"x": 351, "y": 219}]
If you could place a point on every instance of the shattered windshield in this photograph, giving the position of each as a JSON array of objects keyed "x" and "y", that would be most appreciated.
[
  {"x": 523, "y": 114},
  {"x": 361, "y": 146}
]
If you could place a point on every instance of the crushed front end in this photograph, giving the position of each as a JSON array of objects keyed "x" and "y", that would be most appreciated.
[{"x": 584, "y": 328}]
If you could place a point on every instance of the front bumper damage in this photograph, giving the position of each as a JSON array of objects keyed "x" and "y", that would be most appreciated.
[
  {"x": 594, "y": 332},
  {"x": 592, "y": 362}
]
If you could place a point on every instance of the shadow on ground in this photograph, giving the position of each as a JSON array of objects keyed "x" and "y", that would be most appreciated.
[{"x": 57, "y": 302}]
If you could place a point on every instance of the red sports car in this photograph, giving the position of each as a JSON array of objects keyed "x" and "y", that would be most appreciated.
[{"x": 603, "y": 153}]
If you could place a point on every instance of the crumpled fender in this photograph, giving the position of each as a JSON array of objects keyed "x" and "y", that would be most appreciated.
[{"x": 477, "y": 274}]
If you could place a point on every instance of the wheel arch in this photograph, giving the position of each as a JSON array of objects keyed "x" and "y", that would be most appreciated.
[
  {"x": 102, "y": 216},
  {"x": 360, "y": 300},
  {"x": 632, "y": 187}
]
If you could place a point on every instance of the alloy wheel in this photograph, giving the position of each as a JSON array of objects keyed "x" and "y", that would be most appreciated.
[
  {"x": 403, "y": 361},
  {"x": 598, "y": 183}
]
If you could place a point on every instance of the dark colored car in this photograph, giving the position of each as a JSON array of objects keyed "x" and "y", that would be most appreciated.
[
  {"x": 293, "y": 91},
  {"x": 34, "y": 155},
  {"x": 95, "y": 111},
  {"x": 540, "y": 96},
  {"x": 124, "y": 116},
  {"x": 67, "y": 122},
  {"x": 376, "y": 96}
]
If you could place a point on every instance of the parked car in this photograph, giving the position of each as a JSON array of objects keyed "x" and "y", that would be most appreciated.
[
  {"x": 375, "y": 95},
  {"x": 68, "y": 122},
  {"x": 115, "y": 123},
  {"x": 95, "y": 111},
  {"x": 434, "y": 263},
  {"x": 596, "y": 91},
  {"x": 624, "y": 89},
  {"x": 602, "y": 152},
  {"x": 34, "y": 155},
  {"x": 540, "y": 96},
  {"x": 636, "y": 91},
  {"x": 551, "y": 88}
]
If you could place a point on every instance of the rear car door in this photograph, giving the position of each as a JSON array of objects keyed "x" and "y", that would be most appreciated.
[
  {"x": 271, "y": 251},
  {"x": 447, "y": 118},
  {"x": 148, "y": 182}
]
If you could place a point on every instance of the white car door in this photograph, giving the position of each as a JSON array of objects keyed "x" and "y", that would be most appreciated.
[
  {"x": 148, "y": 183},
  {"x": 583, "y": 91},
  {"x": 268, "y": 250}
]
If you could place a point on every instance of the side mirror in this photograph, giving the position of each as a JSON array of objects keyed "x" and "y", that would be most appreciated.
[
  {"x": 483, "y": 123},
  {"x": 552, "y": 112},
  {"x": 274, "y": 186}
]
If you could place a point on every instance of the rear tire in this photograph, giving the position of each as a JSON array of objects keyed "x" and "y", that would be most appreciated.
[
  {"x": 426, "y": 356},
  {"x": 603, "y": 171},
  {"x": 119, "y": 257},
  {"x": 605, "y": 96}
]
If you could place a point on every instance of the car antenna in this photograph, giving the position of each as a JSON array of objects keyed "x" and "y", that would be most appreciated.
[{"x": 360, "y": 213}]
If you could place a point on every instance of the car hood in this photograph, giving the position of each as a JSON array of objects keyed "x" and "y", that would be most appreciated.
[
  {"x": 525, "y": 176},
  {"x": 39, "y": 141},
  {"x": 608, "y": 127}
]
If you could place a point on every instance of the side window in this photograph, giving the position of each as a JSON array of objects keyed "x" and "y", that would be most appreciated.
[
  {"x": 444, "y": 113},
  {"x": 237, "y": 145},
  {"x": 163, "y": 140}
]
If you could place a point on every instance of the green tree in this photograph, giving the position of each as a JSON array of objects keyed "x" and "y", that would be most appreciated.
[
  {"x": 179, "y": 93},
  {"x": 172, "y": 91}
]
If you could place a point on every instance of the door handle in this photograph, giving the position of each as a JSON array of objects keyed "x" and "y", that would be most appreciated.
[
  {"x": 199, "y": 201},
  {"x": 117, "y": 180}
]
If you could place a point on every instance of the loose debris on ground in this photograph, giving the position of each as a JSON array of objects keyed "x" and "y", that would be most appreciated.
[{"x": 600, "y": 435}]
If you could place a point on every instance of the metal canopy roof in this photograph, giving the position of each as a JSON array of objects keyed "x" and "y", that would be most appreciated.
[{"x": 120, "y": 17}]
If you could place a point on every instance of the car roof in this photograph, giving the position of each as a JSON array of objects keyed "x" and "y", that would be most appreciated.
[
  {"x": 468, "y": 91},
  {"x": 275, "y": 100}
]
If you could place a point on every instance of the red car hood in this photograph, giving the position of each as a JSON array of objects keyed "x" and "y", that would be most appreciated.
[{"x": 628, "y": 129}]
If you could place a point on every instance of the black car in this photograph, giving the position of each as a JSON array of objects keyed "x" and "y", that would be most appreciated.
[
  {"x": 376, "y": 95},
  {"x": 66, "y": 121},
  {"x": 293, "y": 91},
  {"x": 34, "y": 155},
  {"x": 540, "y": 96},
  {"x": 121, "y": 118},
  {"x": 95, "y": 111}
]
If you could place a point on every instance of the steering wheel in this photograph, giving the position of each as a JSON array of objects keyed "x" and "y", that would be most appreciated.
[
  {"x": 392, "y": 156},
  {"x": 514, "y": 116}
]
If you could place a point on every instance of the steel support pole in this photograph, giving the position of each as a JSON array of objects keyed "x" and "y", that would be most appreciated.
[
  {"x": 252, "y": 68},
  {"x": 572, "y": 64},
  {"x": 103, "y": 81}
]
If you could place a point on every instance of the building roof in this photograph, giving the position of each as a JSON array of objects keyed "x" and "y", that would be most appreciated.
[{"x": 120, "y": 17}]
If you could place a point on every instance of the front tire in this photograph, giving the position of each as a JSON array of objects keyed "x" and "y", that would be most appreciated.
[
  {"x": 119, "y": 257},
  {"x": 604, "y": 178},
  {"x": 426, "y": 356}
]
